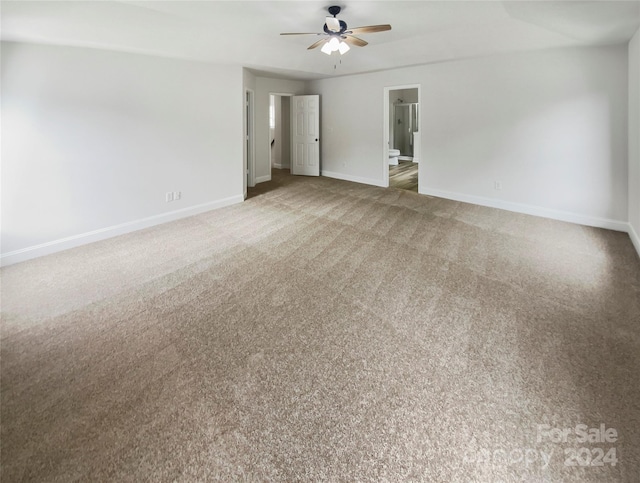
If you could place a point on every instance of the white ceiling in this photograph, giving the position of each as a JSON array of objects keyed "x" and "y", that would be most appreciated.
[{"x": 247, "y": 33}]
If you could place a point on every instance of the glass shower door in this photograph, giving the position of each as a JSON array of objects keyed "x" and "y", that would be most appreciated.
[{"x": 402, "y": 130}]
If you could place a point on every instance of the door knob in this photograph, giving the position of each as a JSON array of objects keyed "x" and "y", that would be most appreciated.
[{"x": 316, "y": 139}]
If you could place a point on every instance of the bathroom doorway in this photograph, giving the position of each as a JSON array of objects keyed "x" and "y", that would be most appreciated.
[
  {"x": 405, "y": 127},
  {"x": 401, "y": 157}
]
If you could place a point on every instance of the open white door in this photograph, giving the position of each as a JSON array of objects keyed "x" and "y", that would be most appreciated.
[{"x": 305, "y": 136}]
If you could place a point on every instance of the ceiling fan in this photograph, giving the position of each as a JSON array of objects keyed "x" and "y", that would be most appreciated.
[{"x": 337, "y": 36}]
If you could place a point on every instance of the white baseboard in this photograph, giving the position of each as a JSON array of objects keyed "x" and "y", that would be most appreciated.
[
  {"x": 262, "y": 179},
  {"x": 281, "y": 165},
  {"x": 55, "y": 246},
  {"x": 530, "y": 210},
  {"x": 635, "y": 239},
  {"x": 355, "y": 179}
]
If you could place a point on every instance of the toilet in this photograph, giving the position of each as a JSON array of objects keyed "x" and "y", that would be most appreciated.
[{"x": 393, "y": 157}]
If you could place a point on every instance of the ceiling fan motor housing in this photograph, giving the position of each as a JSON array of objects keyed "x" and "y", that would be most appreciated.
[{"x": 343, "y": 28}]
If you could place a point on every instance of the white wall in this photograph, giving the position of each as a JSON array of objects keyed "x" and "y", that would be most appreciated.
[
  {"x": 634, "y": 140},
  {"x": 92, "y": 140},
  {"x": 351, "y": 123},
  {"x": 551, "y": 126},
  {"x": 265, "y": 86}
]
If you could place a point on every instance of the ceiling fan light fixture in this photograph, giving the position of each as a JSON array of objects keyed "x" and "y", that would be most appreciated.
[
  {"x": 335, "y": 45},
  {"x": 337, "y": 35}
]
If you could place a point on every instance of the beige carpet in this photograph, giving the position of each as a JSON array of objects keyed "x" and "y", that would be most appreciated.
[{"x": 325, "y": 330}]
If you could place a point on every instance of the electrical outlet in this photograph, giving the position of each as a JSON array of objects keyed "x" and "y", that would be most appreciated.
[
  {"x": 497, "y": 185},
  {"x": 169, "y": 196},
  {"x": 177, "y": 195}
]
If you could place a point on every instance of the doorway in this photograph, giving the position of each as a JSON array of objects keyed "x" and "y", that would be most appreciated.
[
  {"x": 401, "y": 147},
  {"x": 249, "y": 164},
  {"x": 279, "y": 131}
]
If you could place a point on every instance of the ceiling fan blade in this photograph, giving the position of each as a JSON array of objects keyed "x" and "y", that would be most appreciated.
[
  {"x": 316, "y": 44},
  {"x": 333, "y": 24},
  {"x": 350, "y": 39},
  {"x": 370, "y": 29},
  {"x": 302, "y": 33}
]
